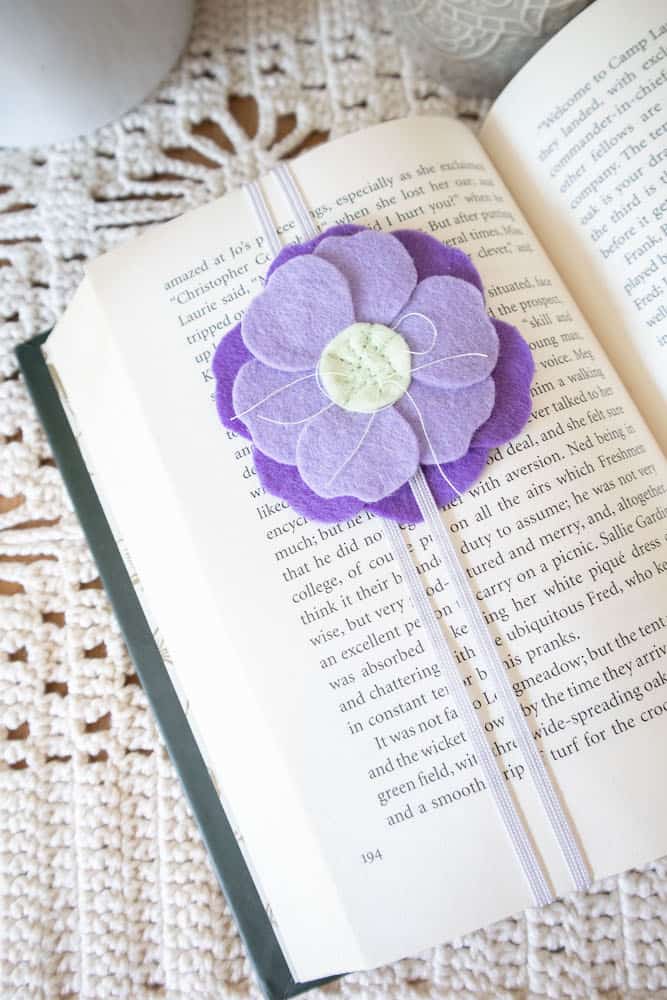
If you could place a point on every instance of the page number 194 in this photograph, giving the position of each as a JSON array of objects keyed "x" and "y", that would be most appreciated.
[{"x": 368, "y": 857}]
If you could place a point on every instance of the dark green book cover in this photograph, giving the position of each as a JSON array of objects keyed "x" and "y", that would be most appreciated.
[{"x": 253, "y": 923}]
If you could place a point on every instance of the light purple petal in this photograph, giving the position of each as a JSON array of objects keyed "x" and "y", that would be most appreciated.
[
  {"x": 456, "y": 308},
  {"x": 290, "y": 399},
  {"x": 304, "y": 304},
  {"x": 445, "y": 420},
  {"x": 357, "y": 454},
  {"x": 512, "y": 376},
  {"x": 285, "y": 482},
  {"x": 300, "y": 249},
  {"x": 379, "y": 271}
]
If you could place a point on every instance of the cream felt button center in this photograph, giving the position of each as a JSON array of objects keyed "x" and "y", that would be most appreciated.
[{"x": 365, "y": 367}]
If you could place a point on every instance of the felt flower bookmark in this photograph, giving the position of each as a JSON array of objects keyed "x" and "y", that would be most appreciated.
[{"x": 369, "y": 376}]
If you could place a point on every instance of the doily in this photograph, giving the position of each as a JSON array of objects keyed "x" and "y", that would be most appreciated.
[{"x": 105, "y": 886}]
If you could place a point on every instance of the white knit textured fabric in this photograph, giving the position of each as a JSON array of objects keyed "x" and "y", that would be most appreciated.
[{"x": 105, "y": 887}]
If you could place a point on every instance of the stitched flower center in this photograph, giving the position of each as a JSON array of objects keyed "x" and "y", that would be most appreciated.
[{"x": 365, "y": 367}]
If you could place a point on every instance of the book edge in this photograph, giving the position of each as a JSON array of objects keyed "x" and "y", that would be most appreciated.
[{"x": 259, "y": 938}]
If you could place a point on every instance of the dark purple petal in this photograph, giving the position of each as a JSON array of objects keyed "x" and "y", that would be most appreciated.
[
  {"x": 433, "y": 257},
  {"x": 445, "y": 420},
  {"x": 301, "y": 249},
  {"x": 378, "y": 270},
  {"x": 302, "y": 306},
  {"x": 461, "y": 474},
  {"x": 512, "y": 375},
  {"x": 285, "y": 482},
  {"x": 275, "y": 407},
  {"x": 456, "y": 309},
  {"x": 357, "y": 454},
  {"x": 230, "y": 356},
  {"x": 400, "y": 506}
]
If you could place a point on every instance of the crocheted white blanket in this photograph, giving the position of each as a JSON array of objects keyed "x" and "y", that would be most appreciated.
[{"x": 105, "y": 886}]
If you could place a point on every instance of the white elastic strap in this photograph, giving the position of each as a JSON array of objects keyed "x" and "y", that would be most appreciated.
[
  {"x": 286, "y": 180},
  {"x": 498, "y": 674},
  {"x": 520, "y": 839},
  {"x": 263, "y": 214},
  {"x": 495, "y": 782}
]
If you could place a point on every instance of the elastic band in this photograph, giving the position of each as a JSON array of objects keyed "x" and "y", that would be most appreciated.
[
  {"x": 286, "y": 180},
  {"x": 264, "y": 218},
  {"x": 489, "y": 652},
  {"x": 495, "y": 781}
]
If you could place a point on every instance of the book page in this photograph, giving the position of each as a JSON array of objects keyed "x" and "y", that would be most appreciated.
[
  {"x": 585, "y": 154},
  {"x": 208, "y": 677},
  {"x": 310, "y": 679}
]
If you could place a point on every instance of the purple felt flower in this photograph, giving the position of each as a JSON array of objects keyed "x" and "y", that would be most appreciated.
[{"x": 366, "y": 355}]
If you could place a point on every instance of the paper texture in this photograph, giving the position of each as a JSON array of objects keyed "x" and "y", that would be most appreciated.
[{"x": 586, "y": 158}]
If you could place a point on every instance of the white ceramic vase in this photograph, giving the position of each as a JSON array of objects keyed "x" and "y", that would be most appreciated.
[
  {"x": 476, "y": 46},
  {"x": 69, "y": 66}
]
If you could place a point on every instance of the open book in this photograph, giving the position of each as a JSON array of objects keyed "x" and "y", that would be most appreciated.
[{"x": 299, "y": 662}]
